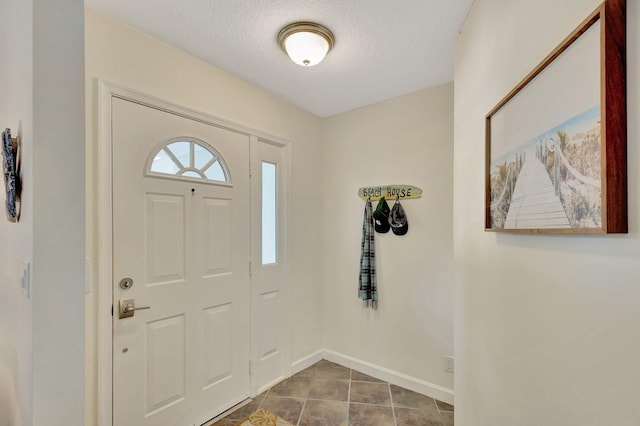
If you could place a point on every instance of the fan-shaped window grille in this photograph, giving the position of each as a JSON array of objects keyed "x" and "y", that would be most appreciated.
[{"x": 188, "y": 158}]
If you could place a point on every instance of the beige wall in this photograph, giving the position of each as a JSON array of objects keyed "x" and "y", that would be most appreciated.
[
  {"x": 555, "y": 345},
  {"x": 41, "y": 337},
  {"x": 128, "y": 58},
  {"x": 407, "y": 140},
  {"x": 16, "y": 112},
  {"x": 546, "y": 326},
  {"x": 58, "y": 269}
]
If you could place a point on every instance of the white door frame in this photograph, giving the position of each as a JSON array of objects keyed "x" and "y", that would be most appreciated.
[{"x": 107, "y": 91}]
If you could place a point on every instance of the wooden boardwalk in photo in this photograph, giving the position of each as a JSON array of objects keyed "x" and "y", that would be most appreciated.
[{"x": 534, "y": 203}]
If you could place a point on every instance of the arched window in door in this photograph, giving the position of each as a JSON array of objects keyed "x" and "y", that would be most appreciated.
[{"x": 189, "y": 159}]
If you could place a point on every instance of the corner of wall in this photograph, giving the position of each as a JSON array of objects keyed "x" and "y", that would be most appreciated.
[{"x": 406, "y": 140}]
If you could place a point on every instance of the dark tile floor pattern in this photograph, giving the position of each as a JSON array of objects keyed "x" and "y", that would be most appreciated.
[{"x": 328, "y": 394}]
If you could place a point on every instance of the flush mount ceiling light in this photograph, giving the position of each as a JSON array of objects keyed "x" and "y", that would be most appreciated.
[{"x": 306, "y": 43}]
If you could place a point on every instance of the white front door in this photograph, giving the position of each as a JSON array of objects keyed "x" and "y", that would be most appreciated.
[{"x": 183, "y": 240}]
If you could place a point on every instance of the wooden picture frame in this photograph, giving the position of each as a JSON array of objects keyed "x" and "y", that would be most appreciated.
[{"x": 556, "y": 144}]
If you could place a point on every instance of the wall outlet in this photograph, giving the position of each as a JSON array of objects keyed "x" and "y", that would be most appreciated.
[{"x": 448, "y": 364}]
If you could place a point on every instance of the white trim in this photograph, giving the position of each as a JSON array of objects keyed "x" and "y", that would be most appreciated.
[
  {"x": 281, "y": 143},
  {"x": 107, "y": 91},
  {"x": 188, "y": 179},
  {"x": 269, "y": 385},
  {"x": 285, "y": 288},
  {"x": 183, "y": 111},
  {"x": 283, "y": 159},
  {"x": 306, "y": 362},
  {"x": 105, "y": 259},
  {"x": 394, "y": 377},
  {"x": 253, "y": 360}
]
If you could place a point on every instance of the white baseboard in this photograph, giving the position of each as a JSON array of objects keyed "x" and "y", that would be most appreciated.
[
  {"x": 399, "y": 379},
  {"x": 270, "y": 385},
  {"x": 296, "y": 367},
  {"x": 307, "y": 361}
]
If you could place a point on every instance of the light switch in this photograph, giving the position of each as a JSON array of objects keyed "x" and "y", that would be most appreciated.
[{"x": 26, "y": 279}]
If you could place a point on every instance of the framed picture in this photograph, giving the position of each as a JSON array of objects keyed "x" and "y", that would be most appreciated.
[{"x": 556, "y": 144}]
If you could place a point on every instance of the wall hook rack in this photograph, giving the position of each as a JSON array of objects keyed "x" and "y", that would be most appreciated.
[
  {"x": 11, "y": 169},
  {"x": 389, "y": 192}
]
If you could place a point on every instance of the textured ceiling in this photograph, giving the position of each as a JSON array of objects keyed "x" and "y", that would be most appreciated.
[{"x": 383, "y": 48}]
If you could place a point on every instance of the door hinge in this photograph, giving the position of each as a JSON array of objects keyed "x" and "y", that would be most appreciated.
[{"x": 111, "y": 310}]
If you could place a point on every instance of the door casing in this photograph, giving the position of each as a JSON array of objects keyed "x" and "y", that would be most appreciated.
[{"x": 107, "y": 91}]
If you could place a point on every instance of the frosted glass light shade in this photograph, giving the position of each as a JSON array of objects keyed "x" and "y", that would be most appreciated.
[
  {"x": 306, "y": 49},
  {"x": 306, "y": 43}
]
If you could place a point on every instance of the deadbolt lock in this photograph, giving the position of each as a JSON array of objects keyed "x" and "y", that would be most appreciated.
[{"x": 126, "y": 283}]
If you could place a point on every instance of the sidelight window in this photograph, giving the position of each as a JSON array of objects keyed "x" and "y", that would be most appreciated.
[{"x": 269, "y": 213}]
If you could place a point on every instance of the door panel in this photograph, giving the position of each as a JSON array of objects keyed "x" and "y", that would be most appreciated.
[
  {"x": 165, "y": 360},
  {"x": 218, "y": 323},
  {"x": 185, "y": 244},
  {"x": 165, "y": 238},
  {"x": 218, "y": 237}
]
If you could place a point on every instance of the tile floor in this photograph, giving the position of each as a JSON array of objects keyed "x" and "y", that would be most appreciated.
[{"x": 328, "y": 394}]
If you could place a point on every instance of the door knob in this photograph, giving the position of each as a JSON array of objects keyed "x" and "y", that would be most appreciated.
[{"x": 128, "y": 308}]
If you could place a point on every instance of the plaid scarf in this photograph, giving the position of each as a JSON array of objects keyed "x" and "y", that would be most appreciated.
[{"x": 367, "y": 289}]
